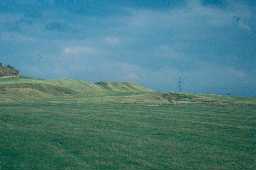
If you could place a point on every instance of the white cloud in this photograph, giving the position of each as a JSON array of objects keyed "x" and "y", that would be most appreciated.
[
  {"x": 194, "y": 15},
  {"x": 112, "y": 40},
  {"x": 168, "y": 52},
  {"x": 79, "y": 50},
  {"x": 13, "y": 36}
]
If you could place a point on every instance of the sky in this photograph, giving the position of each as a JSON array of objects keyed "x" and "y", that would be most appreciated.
[{"x": 210, "y": 45}]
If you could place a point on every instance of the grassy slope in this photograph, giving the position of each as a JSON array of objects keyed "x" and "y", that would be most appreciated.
[
  {"x": 113, "y": 129},
  {"x": 25, "y": 88},
  {"x": 122, "y": 87}
]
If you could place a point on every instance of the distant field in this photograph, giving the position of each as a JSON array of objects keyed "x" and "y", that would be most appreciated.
[{"x": 73, "y": 125}]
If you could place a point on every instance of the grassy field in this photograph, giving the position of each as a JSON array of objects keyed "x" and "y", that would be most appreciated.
[{"x": 77, "y": 125}]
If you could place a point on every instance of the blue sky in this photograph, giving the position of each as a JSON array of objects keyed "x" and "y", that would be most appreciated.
[{"x": 210, "y": 44}]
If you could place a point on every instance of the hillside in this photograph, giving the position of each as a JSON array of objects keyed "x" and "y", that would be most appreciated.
[
  {"x": 71, "y": 124},
  {"x": 122, "y": 87},
  {"x": 20, "y": 88},
  {"x": 7, "y": 70},
  {"x": 26, "y": 88}
]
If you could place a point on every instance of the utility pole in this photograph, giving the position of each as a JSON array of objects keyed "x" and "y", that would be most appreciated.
[{"x": 179, "y": 84}]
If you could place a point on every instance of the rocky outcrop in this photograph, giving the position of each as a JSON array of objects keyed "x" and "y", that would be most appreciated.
[{"x": 7, "y": 70}]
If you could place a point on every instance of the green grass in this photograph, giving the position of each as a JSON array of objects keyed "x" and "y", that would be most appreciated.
[{"x": 54, "y": 127}]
